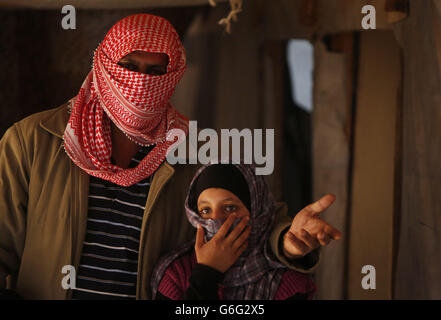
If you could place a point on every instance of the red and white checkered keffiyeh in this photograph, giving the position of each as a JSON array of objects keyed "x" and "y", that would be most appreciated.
[{"x": 137, "y": 103}]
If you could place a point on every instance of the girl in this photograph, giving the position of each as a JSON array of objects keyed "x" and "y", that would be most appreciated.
[{"x": 233, "y": 212}]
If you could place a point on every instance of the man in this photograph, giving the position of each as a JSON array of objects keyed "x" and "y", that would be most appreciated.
[{"x": 111, "y": 205}]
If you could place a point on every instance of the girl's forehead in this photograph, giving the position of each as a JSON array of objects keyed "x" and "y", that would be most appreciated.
[{"x": 217, "y": 194}]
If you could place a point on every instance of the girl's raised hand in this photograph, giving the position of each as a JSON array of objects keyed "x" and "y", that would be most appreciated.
[
  {"x": 308, "y": 231},
  {"x": 222, "y": 251}
]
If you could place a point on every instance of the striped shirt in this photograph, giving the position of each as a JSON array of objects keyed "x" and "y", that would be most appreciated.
[{"x": 109, "y": 259}]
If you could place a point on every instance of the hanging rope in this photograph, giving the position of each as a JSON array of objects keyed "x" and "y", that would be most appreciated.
[{"x": 236, "y": 7}]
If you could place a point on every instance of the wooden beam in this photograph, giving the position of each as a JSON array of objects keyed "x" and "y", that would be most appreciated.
[
  {"x": 101, "y": 4},
  {"x": 373, "y": 183}
]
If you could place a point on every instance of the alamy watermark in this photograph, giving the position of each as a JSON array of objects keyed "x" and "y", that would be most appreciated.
[
  {"x": 69, "y": 21},
  {"x": 69, "y": 280},
  {"x": 369, "y": 281},
  {"x": 369, "y": 21},
  {"x": 247, "y": 146}
]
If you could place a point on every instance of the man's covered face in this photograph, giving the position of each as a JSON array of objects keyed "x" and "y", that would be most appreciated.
[{"x": 134, "y": 72}]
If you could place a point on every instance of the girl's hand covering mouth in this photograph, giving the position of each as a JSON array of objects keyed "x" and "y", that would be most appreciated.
[{"x": 222, "y": 251}]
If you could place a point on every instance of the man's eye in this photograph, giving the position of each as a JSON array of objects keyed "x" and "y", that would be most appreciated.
[
  {"x": 230, "y": 208},
  {"x": 155, "y": 72},
  {"x": 128, "y": 66}
]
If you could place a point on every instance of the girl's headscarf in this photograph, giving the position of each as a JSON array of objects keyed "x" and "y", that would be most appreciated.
[
  {"x": 254, "y": 275},
  {"x": 137, "y": 103}
]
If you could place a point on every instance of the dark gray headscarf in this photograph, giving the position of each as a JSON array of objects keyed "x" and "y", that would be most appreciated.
[{"x": 254, "y": 275}]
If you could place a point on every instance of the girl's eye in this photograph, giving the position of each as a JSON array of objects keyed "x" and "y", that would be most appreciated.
[
  {"x": 204, "y": 211},
  {"x": 230, "y": 208}
]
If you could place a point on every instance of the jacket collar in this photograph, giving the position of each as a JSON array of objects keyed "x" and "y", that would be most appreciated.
[{"x": 56, "y": 123}]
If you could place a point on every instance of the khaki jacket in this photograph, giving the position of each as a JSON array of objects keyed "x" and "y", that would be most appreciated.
[{"x": 44, "y": 206}]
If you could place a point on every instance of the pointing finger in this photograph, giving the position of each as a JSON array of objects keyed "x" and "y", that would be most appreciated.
[
  {"x": 323, "y": 238},
  {"x": 320, "y": 205},
  {"x": 333, "y": 232}
]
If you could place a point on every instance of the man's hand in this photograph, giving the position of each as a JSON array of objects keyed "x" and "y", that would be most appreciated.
[
  {"x": 308, "y": 231},
  {"x": 222, "y": 251}
]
